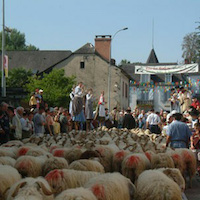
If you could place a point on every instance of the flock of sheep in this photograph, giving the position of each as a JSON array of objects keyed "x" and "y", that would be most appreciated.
[{"x": 99, "y": 165}]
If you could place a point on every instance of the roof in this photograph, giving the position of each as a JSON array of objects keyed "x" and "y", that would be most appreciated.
[
  {"x": 36, "y": 61},
  {"x": 86, "y": 49},
  {"x": 152, "y": 57}
]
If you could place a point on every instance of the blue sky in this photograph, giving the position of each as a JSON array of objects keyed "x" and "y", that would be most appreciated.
[{"x": 68, "y": 25}]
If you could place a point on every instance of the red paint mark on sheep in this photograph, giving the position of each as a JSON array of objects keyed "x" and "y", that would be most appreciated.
[
  {"x": 55, "y": 175},
  {"x": 133, "y": 160},
  {"x": 99, "y": 191},
  {"x": 120, "y": 155},
  {"x": 24, "y": 165},
  {"x": 23, "y": 151},
  {"x": 59, "y": 153},
  {"x": 52, "y": 148},
  {"x": 176, "y": 157},
  {"x": 148, "y": 155},
  {"x": 187, "y": 155}
]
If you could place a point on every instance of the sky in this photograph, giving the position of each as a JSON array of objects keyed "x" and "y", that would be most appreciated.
[{"x": 68, "y": 25}]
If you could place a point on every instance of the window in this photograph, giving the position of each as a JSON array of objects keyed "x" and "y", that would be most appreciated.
[
  {"x": 126, "y": 90},
  {"x": 168, "y": 78},
  {"x": 144, "y": 78},
  {"x": 82, "y": 65}
]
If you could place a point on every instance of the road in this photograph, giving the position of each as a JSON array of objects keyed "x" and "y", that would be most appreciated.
[{"x": 194, "y": 192}]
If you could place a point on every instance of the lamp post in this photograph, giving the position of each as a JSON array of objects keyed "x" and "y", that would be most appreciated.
[
  {"x": 110, "y": 63},
  {"x": 3, "y": 82}
]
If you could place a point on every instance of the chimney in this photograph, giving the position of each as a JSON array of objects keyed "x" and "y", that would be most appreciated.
[{"x": 102, "y": 45}]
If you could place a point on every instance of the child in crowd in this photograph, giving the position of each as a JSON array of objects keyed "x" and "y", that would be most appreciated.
[
  {"x": 56, "y": 125},
  {"x": 195, "y": 144}
]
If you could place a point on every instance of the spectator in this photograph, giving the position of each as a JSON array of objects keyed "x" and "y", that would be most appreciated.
[
  {"x": 49, "y": 122},
  {"x": 142, "y": 119},
  {"x": 30, "y": 123},
  {"x": 25, "y": 126},
  {"x": 63, "y": 121},
  {"x": 115, "y": 116},
  {"x": 56, "y": 125},
  {"x": 108, "y": 119},
  {"x": 120, "y": 120},
  {"x": 153, "y": 122},
  {"x": 19, "y": 112},
  {"x": 39, "y": 122},
  {"x": 195, "y": 103},
  {"x": 5, "y": 123},
  {"x": 101, "y": 111},
  {"x": 129, "y": 121},
  {"x": 33, "y": 101},
  {"x": 15, "y": 125},
  {"x": 178, "y": 133}
]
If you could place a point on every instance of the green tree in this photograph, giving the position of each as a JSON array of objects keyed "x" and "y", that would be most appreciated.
[
  {"x": 18, "y": 77},
  {"x": 124, "y": 61},
  {"x": 55, "y": 85},
  {"x": 15, "y": 40},
  {"x": 190, "y": 47}
]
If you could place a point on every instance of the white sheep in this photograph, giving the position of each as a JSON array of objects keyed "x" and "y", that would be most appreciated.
[
  {"x": 76, "y": 194},
  {"x": 8, "y": 176},
  {"x": 161, "y": 160},
  {"x": 87, "y": 165},
  {"x": 30, "y": 188},
  {"x": 154, "y": 185},
  {"x": 134, "y": 164},
  {"x": 54, "y": 163},
  {"x": 30, "y": 166},
  {"x": 111, "y": 186},
  {"x": 6, "y": 160},
  {"x": 175, "y": 175},
  {"x": 8, "y": 151},
  {"x": 62, "y": 179}
]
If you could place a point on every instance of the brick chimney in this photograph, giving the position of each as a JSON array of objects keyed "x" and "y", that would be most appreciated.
[{"x": 102, "y": 45}]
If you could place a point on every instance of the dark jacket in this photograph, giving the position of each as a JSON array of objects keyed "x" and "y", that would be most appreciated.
[{"x": 128, "y": 121}]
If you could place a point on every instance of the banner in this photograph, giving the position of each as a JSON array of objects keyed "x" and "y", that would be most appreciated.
[
  {"x": 167, "y": 69},
  {"x": 6, "y": 65}
]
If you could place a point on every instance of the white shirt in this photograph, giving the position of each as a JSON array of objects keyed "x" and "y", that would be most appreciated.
[
  {"x": 24, "y": 123},
  {"x": 78, "y": 91},
  {"x": 153, "y": 119}
]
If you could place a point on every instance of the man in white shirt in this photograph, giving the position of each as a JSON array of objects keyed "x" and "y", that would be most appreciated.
[{"x": 153, "y": 122}]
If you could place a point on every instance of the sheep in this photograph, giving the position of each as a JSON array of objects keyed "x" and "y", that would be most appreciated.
[
  {"x": 87, "y": 165},
  {"x": 160, "y": 188},
  {"x": 175, "y": 175},
  {"x": 189, "y": 163},
  {"x": 62, "y": 179},
  {"x": 54, "y": 163},
  {"x": 110, "y": 186},
  {"x": 23, "y": 150},
  {"x": 134, "y": 164},
  {"x": 8, "y": 151},
  {"x": 161, "y": 160},
  {"x": 13, "y": 143},
  {"x": 76, "y": 194},
  {"x": 30, "y": 166},
  {"x": 36, "y": 151},
  {"x": 106, "y": 156},
  {"x": 8, "y": 176},
  {"x": 30, "y": 188},
  {"x": 6, "y": 160},
  {"x": 69, "y": 154},
  {"x": 118, "y": 159}
]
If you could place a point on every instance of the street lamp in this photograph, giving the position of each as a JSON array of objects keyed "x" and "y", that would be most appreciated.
[
  {"x": 110, "y": 63},
  {"x": 3, "y": 81}
]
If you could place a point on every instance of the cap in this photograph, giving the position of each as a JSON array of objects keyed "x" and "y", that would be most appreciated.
[
  {"x": 40, "y": 90},
  {"x": 168, "y": 116},
  {"x": 173, "y": 112}
]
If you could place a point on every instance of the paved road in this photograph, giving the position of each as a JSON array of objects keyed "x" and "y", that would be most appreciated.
[{"x": 194, "y": 192}]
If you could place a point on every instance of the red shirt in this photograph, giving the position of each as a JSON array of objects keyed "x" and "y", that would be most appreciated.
[{"x": 195, "y": 104}]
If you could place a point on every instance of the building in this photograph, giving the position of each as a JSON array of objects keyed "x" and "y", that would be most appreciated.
[
  {"x": 153, "y": 90},
  {"x": 89, "y": 64}
]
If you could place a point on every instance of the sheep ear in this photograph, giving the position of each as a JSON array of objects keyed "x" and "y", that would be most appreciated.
[
  {"x": 21, "y": 185},
  {"x": 44, "y": 189},
  {"x": 167, "y": 172}
]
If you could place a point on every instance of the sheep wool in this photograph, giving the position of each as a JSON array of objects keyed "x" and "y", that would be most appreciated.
[
  {"x": 62, "y": 179},
  {"x": 6, "y": 160},
  {"x": 76, "y": 194},
  {"x": 87, "y": 165},
  {"x": 111, "y": 186},
  {"x": 54, "y": 163},
  {"x": 161, "y": 187},
  {"x": 30, "y": 188},
  {"x": 134, "y": 164},
  {"x": 8, "y": 176}
]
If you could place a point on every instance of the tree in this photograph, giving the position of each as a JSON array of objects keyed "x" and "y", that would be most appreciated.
[
  {"x": 55, "y": 85},
  {"x": 124, "y": 61},
  {"x": 18, "y": 77},
  {"x": 14, "y": 40},
  {"x": 190, "y": 47}
]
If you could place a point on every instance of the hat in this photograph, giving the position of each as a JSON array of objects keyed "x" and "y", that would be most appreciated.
[
  {"x": 40, "y": 90},
  {"x": 173, "y": 112},
  {"x": 51, "y": 109},
  {"x": 168, "y": 117}
]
